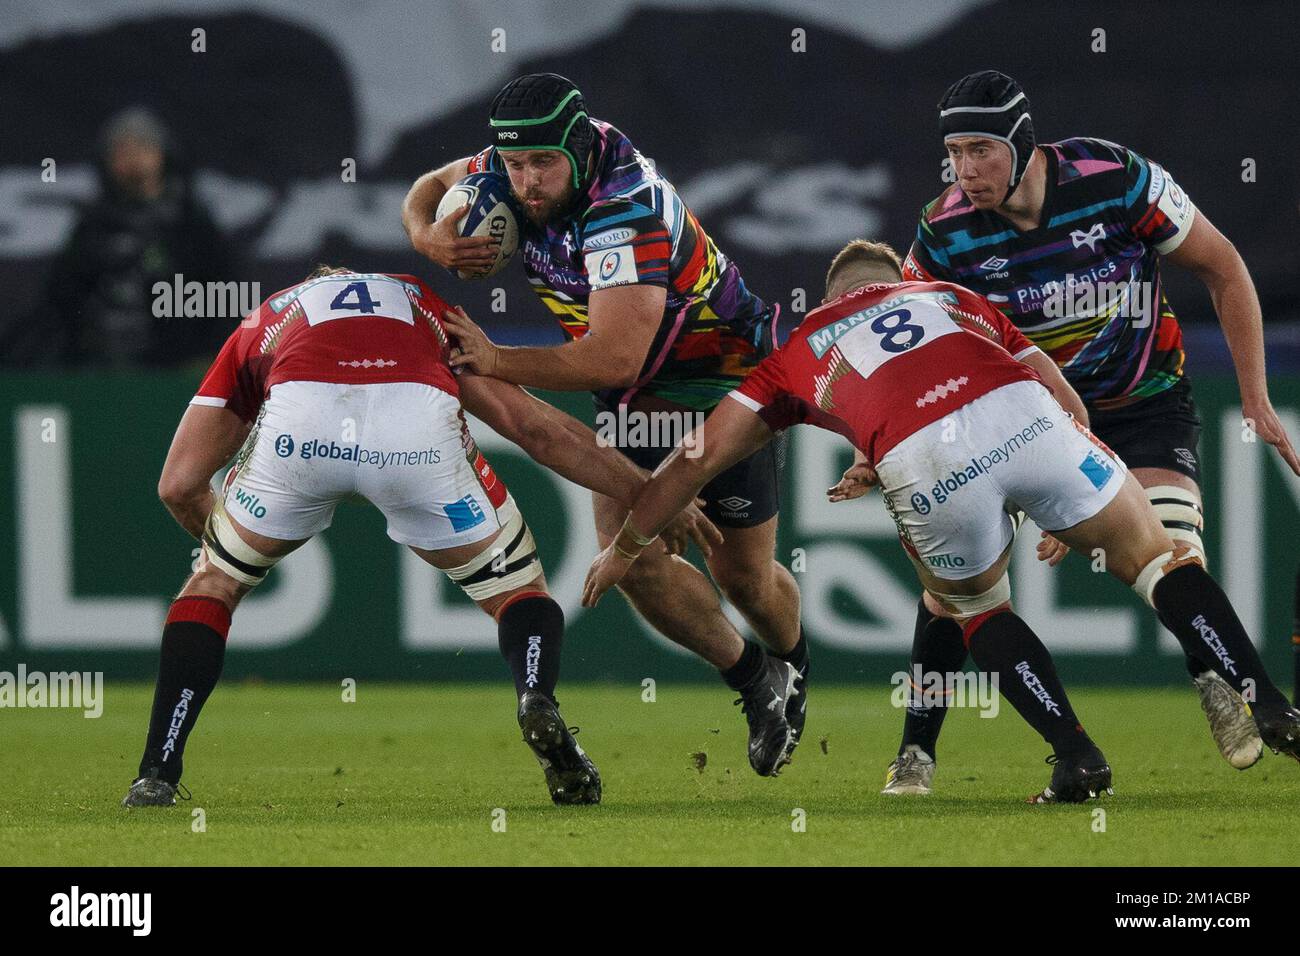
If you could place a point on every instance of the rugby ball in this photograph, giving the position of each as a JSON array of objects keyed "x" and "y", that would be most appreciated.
[{"x": 492, "y": 212}]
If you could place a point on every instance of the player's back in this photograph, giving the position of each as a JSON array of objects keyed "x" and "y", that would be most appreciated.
[
  {"x": 344, "y": 327},
  {"x": 880, "y": 363}
]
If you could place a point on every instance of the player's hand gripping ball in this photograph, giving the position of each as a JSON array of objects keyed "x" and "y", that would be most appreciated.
[{"x": 485, "y": 208}]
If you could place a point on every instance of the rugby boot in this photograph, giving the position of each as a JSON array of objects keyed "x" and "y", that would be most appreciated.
[
  {"x": 1231, "y": 724},
  {"x": 150, "y": 791},
  {"x": 571, "y": 777},
  {"x": 1280, "y": 730},
  {"x": 765, "y": 702},
  {"x": 910, "y": 774},
  {"x": 1076, "y": 779}
]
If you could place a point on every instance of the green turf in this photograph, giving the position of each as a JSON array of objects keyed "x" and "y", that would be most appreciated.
[{"x": 410, "y": 774}]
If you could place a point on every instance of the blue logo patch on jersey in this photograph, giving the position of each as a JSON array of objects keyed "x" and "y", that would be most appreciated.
[
  {"x": 1096, "y": 469},
  {"x": 464, "y": 514},
  {"x": 284, "y": 445}
]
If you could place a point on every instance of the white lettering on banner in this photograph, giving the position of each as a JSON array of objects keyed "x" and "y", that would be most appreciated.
[
  {"x": 429, "y": 621},
  {"x": 51, "y": 615},
  {"x": 286, "y": 609},
  {"x": 293, "y": 602},
  {"x": 1242, "y": 510},
  {"x": 1081, "y": 630}
]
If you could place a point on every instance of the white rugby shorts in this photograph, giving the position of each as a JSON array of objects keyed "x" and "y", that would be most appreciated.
[
  {"x": 397, "y": 444},
  {"x": 951, "y": 485}
]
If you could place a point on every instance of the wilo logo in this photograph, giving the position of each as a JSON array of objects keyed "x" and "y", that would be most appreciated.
[
  {"x": 631, "y": 429},
  {"x": 103, "y": 909},
  {"x": 206, "y": 300},
  {"x": 84, "y": 691},
  {"x": 922, "y": 690}
]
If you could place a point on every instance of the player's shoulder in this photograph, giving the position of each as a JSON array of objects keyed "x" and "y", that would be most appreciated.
[
  {"x": 946, "y": 210},
  {"x": 484, "y": 160},
  {"x": 1089, "y": 160}
]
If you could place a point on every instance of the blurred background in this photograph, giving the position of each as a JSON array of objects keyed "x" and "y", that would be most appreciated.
[{"x": 247, "y": 141}]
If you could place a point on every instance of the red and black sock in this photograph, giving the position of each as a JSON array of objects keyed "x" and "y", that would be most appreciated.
[
  {"x": 193, "y": 650},
  {"x": 937, "y": 648},
  {"x": 1003, "y": 644},
  {"x": 1192, "y": 605},
  {"x": 530, "y": 632}
]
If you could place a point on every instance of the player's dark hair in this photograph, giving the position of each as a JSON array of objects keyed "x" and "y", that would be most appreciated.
[{"x": 871, "y": 253}]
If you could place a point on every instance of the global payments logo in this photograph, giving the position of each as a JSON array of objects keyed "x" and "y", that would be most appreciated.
[{"x": 284, "y": 446}]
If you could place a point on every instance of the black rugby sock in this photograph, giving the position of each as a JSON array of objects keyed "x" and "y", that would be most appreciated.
[
  {"x": 746, "y": 670},
  {"x": 1005, "y": 645},
  {"x": 193, "y": 651},
  {"x": 530, "y": 633},
  {"x": 937, "y": 648},
  {"x": 798, "y": 655},
  {"x": 1192, "y": 605}
]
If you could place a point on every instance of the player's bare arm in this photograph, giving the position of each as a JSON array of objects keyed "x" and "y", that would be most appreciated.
[
  {"x": 1062, "y": 390},
  {"x": 560, "y": 442},
  {"x": 1215, "y": 260},
  {"x": 439, "y": 240},
  {"x": 622, "y": 322},
  {"x": 206, "y": 439},
  {"x": 731, "y": 433}
]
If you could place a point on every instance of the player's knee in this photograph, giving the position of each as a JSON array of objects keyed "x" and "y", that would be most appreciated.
[
  {"x": 1179, "y": 511},
  {"x": 210, "y": 581},
  {"x": 650, "y": 575},
  {"x": 744, "y": 586},
  {"x": 969, "y": 607},
  {"x": 225, "y": 551},
  {"x": 1161, "y": 565},
  {"x": 508, "y": 565}
]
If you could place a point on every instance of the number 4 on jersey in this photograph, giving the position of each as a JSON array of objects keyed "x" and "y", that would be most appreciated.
[{"x": 362, "y": 303}]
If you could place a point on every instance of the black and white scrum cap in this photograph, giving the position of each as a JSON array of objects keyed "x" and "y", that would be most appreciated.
[{"x": 990, "y": 104}]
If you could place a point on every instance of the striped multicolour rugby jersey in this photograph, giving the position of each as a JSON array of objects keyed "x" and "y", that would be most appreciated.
[
  {"x": 1085, "y": 285},
  {"x": 628, "y": 227}
]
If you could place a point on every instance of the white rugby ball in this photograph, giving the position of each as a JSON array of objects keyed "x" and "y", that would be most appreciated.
[{"x": 492, "y": 212}]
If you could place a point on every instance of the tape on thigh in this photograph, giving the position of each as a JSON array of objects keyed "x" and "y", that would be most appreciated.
[
  {"x": 1180, "y": 513},
  {"x": 229, "y": 552},
  {"x": 969, "y": 605},
  {"x": 509, "y": 562}
]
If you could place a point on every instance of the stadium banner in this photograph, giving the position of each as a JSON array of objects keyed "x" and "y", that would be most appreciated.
[
  {"x": 89, "y": 559},
  {"x": 779, "y": 186}
]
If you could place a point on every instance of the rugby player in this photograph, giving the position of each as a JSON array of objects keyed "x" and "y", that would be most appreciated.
[
  {"x": 889, "y": 365},
  {"x": 1067, "y": 240},
  {"x": 340, "y": 386},
  {"x": 659, "y": 322}
]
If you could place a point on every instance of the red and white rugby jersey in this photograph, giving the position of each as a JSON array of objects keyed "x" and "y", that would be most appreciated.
[
  {"x": 886, "y": 360},
  {"x": 350, "y": 328}
]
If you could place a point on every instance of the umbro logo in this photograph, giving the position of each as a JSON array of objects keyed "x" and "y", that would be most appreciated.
[
  {"x": 1089, "y": 238},
  {"x": 993, "y": 264},
  {"x": 734, "y": 503}
]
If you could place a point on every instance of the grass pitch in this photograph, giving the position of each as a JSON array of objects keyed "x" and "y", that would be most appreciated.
[{"x": 417, "y": 774}]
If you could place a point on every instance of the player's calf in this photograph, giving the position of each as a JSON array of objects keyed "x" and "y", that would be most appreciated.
[{"x": 193, "y": 649}]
